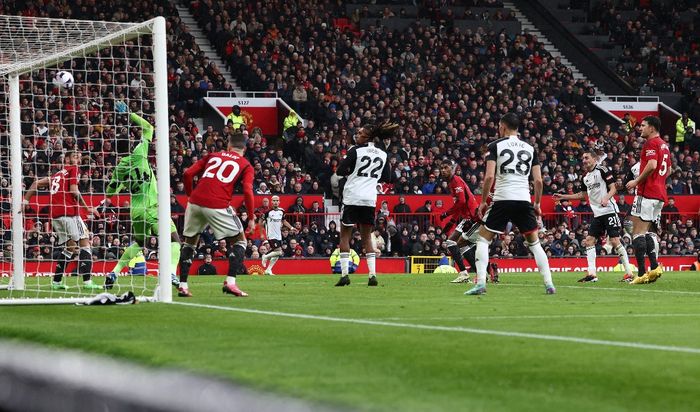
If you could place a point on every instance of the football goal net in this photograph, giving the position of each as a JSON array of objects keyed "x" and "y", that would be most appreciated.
[{"x": 84, "y": 160}]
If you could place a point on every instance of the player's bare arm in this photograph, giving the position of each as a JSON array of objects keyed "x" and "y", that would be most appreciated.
[
  {"x": 612, "y": 191},
  {"x": 38, "y": 184},
  {"x": 81, "y": 201},
  {"x": 488, "y": 182},
  {"x": 539, "y": 185},
  {"x": 574, "y": 196}
]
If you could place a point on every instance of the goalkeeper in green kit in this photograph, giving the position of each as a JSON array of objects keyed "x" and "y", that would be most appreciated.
[{"x": 133, "y": 174}]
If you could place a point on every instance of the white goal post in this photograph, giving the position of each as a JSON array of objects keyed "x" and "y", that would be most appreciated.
[{"x": 39, "y": 45}]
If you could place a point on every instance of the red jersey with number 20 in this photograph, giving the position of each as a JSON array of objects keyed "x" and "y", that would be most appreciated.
[
  {"x": 218, "y": 174},
  {"x": 654, "y": 186},
  {"x": 63, "y": 203}
]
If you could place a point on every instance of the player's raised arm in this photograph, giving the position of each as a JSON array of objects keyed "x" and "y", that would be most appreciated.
[{"x": 146, "y": 128}]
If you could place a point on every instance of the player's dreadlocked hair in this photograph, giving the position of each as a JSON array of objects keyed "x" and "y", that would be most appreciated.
[{"x": 383, "y": 130}]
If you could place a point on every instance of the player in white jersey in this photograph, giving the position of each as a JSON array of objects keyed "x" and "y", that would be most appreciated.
[
  {"x": 600, "y": 189},
  {"x": 511, "y": 162},
  {"x": 274, "y": 220},
  {"x": 365, "y": 165}
]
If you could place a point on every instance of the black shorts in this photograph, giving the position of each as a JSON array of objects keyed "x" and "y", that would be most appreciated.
[
  {"x": 520, "y": 212},
  {"x": 609, "y": 224},
  {"x": 274, "y": 244},
  {"x": 356, "y": 215}
]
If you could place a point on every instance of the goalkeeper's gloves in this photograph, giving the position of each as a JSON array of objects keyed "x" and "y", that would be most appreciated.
[{"x": 120, "y": 107}]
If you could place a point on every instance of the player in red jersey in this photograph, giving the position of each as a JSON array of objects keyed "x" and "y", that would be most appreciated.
[
  {"x": 655, "y": 166},
  {"x": 65, "y": 204},
  {"x": 463, "y": 211},
  {"x": 210, "y": 204}
]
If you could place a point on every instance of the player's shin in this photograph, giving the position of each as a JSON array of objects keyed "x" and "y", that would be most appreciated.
[
  {"x": 590, "y": 258},
  {"x": 128, "y": 254},
  {"x": 652, "y": 250},
  {"x": 482, "y": 260},
  {"x": 85, "y": 263},
  {"x": 622, "y": 253},
  {"x": 469, "y": 254},
  {"x": 640, "y": 250},
  {"x": 235, "y": 262},
  {"x": 372, "y": 264},
  {"x": 542, "y": 262},
  {"x": 186, "y": 254},
  {"x": 456, "y": 256},
  {"x": 63, "y": 260},
  {"x": 344, "y": 263},
  {"x": 174, "y": 255}
]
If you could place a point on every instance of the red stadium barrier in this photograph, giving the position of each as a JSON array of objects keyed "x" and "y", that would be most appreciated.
[{"x": 305, "y": 266}]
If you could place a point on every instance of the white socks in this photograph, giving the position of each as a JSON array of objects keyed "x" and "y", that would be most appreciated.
[
  {"x": 622, "y": 252},
  {"x": 372, "y": 264},
  {"x": 344, "y": 263},
  {"x": 273, "y": 260},
  {"x": 482, "y": 260},
  {"x": 542, "y": 262},
  {"x": 590, "y": 256},
  {"x": 231, "y": 280},
  {"x": 183, "y": 285}
]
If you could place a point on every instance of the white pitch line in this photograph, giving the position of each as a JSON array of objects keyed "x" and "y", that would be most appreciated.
[
  {"x": 631, "y": 288},
  {"x": 535, "y": 336},
  {"x": 497, "y": 317}
]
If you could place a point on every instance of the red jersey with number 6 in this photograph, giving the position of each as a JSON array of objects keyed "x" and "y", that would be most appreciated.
[
  {"x": 654, "y": 186},
  {"x": 218, "y": 174},
  {"x": 63, "y": 203}
]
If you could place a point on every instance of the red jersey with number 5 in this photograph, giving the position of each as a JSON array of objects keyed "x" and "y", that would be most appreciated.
[
  {"x": 654, "y": 186},
  {"x": 63, "y": 203},
  {"x": 218, "y": 174}
]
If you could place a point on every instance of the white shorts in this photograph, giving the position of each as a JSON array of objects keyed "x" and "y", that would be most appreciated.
[
  {"x": 69, "y": 228},
  {"x": 649, "y": 210},
  {"x": 223, "y": 222}
]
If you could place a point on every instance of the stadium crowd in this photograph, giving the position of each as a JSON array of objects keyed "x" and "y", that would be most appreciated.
[
  {"x": 446, "y": 87},
  {"x": 661, "y": 45}
]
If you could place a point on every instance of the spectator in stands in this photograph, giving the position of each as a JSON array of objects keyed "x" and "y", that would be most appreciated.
[
  {"x": 685, "y": 129},
  {"x": 235, "y": 119},
  {"x": 207, "y": 268},
  {"x": 402, "y": 207}
]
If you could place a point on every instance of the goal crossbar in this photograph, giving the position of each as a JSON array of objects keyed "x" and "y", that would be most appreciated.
[{"x": 126, "y": 31}]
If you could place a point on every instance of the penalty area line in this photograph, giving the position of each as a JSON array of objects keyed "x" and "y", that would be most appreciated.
[{"x": 458, "y": 329}]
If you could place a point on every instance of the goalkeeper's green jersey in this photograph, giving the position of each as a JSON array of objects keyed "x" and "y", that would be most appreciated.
[{"x": 133, "y": 173}]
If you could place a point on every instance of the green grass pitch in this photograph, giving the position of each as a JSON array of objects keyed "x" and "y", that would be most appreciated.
[{"x": 415, "y": 343}]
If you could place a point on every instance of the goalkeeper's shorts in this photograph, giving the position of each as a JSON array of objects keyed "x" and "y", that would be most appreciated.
[{"x": 143, "y": 226}]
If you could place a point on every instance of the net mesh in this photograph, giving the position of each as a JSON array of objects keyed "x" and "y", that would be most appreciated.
[{"x": 108, "y": 66}]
